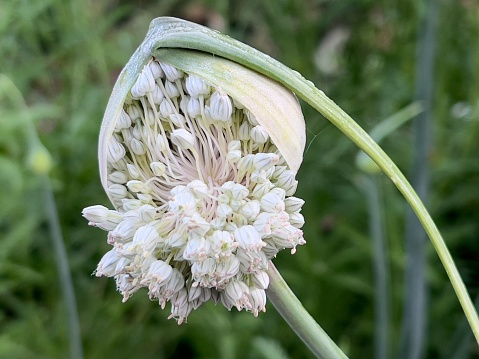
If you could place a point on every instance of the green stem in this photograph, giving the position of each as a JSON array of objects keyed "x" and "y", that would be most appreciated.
[
  {"x": 299, "y": 319},
  {"x": 371, "y": 186}
]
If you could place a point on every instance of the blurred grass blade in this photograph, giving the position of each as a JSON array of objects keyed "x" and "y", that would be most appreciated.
[
  {"x": 415, "y": 309},
  {"x": 382, "y": 298}
]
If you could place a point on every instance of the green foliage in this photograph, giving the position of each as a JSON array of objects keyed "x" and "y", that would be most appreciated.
[{"x": 63, "y": 58}]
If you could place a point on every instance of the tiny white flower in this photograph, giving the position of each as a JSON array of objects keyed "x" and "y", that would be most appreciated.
[
  {"x": 183, "y": 139},
  {"x": 118, "y": 177},
  {"x": 249, "y": 238},
  {"x": 196, "y": 87},
  {"x": 260, "y": 279},
  {"x": 220, "y": 107},
  {"x": 158, "y": 168},
  {"x": 116, "y": 151},
  {"x": 259, "y": 134},
  {"x": 171, "y": 73},
  {"x": 96, "y": 214},
  {"x": 107, "y": 264}
]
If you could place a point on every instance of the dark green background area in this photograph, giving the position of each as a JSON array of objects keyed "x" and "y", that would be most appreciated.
[{"x": 64, "y": 56}]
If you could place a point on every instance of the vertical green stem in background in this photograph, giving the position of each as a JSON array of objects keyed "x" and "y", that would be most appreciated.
[
  {"x": 380, "y": 266},
  {"x": 413, "y": 334},
  {"x": 299, "y": 319},
  {"x": 66, "y": 283}
]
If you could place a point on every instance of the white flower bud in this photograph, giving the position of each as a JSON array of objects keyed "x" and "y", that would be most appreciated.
[
  {"x": 226, "y": 268},
  {"x": 137, "y": 147},
  {"x": 158, "y": 168},
  {"x": 235, "y": 295},
  {"x": 281, "y": 193},
  {"x": 259, "y": 134},
  {"x": 116, "y": 151},
  {"x": 296, "y": 219},
  {"x": 249, "y": 238},
  {"x": 218, "y": 224},
  {"x": 183, "y": 139},
  {"x": 258, "y": 177},
  {"x": 287, "y": 181},
  {"x": 145, "y": 83},
  {"x": 199, "y": 188},
  {"x": 233, "y": 156},
  {"x": 155, "y": 69},
  {"x": 293, "y": 204},
  {"x": 197, "y": 249},
  {"x": 96, "y": 214},
  {"x": 133, "y": 112},
  {"x": 131, "y": 204},
  {"x": 118, "y": 177},
  {"x": 146, "y": 237},
  {"x": 166, "y": 108},
  {"x": 244, "y": 133},
  {"x": 177, "y": 119},
  {"x": 145, "y": 198},
  {"x": 251, "y": 118},
  {"x": 194, "y": 107},
  {"x": 234, "y": 145},
  {"x": 117, "y": 191},
  {"x": 223, "y": 211},
  {"x": 261, "y": 189},
  {"x": 157, "y": 95},
  {"x": 149, "y": 120},
  {"x": 264, "y": 161},
  {"x": 124, "y": 231},
  {"x": 278, "y": 171},
  {"x": 271, "y": 203},
  {"x": 250, "y": 210},
  {"x": 246, "y": 163},
  {"x": 257, "y": 300},
  {"x": 239, "y": 192},
  {"x": 197, "y": 225},
  {"x": 260, "y": 279},
  {"x": 136, "y": 186},
  {"x": 171, "y": 90},
  {"x": 220, "y": 107},
  {"x": 136, "y": 132},
  {"x": 107, "y": 264},
  {"x": 133, "y": 171},
  {"x": 159, "y": 272},
  {"x": 148, "y": 213},
  {"x": 124, "y": 121},
  {"x": 171, "y": 73},
  {"x": 222, "y": 243},
  {"x": 196, "y": 87},
  {"x": 176, "y": 240},
  {"x": 162, "y": 143}
]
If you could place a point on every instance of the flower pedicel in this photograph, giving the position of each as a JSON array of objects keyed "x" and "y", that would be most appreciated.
[{"x": 201, "y": 171}]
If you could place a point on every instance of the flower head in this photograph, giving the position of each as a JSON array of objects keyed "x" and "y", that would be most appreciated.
[{"x": 202, "y": 193}]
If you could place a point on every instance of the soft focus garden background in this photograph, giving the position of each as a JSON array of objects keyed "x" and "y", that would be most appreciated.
[{"x": 59, "y": 60}]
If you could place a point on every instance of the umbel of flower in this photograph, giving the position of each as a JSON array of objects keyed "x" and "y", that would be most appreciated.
[{"x": 199, "y": 160}]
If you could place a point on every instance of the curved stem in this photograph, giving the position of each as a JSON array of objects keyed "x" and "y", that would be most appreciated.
[{"x": 299, "y": 319}]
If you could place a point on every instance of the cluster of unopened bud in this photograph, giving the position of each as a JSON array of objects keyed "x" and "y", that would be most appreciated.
[{"x": 203, "y": 197}]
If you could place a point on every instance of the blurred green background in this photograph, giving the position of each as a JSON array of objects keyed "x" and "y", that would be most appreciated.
[{"x": 59, "y": 60}]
